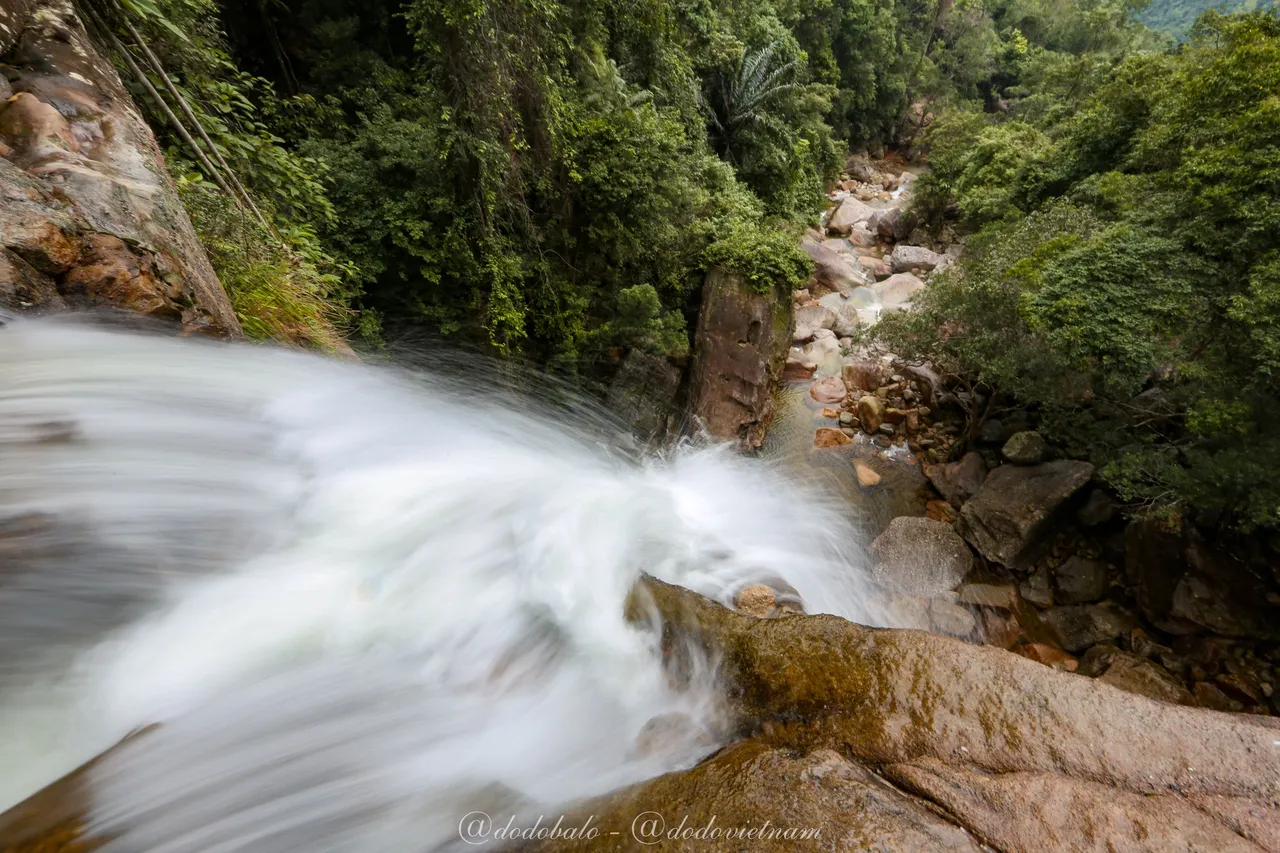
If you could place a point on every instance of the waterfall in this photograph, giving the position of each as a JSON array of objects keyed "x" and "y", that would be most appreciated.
[{"x": 355, "y": 603}]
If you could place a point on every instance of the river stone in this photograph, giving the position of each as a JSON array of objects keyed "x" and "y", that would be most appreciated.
[
  {"x": 847, "y": 322},
  {"x": 862, "y": 237},
  {"x": 826, "y": 437},
  {"x": 828, "y": 389},
  {"x": 755, "y": 600},
  {"x": 1016, "y": 505},
  {"x": 952, "y": 619},
  {"x": 871, "y": 411},
  {"x": 1079, "y": 581},
  {"x": 1025, "y": 448},
  {"x": 897, "y": 290},
  {"x": 809, "y": 319},
  {"x": 831, "y": 269},
  {"x": 960, "y": 480},
  {"x": 1079, "y": 626},
  {"x": 1001, "y": 595},
  {"x": 862, "y": 374},
  {"x": 849, "y": 213},
  {"x": 867, "y": 477},
  {"x": 906, "y": 258},
  {"x": 918, "y": 556}
]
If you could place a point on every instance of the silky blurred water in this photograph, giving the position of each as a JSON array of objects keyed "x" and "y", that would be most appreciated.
[{"x": 357, "y": 602}]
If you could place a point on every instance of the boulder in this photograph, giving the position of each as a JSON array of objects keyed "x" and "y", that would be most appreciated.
[
  {"x": 828, "y": 390},
  {"x": 1077, "y": 627},
  {"x": 897, "y": 290},
  {"x": 891, "y": 223},
  {"x": 952, "y": 619},
  {"x": 871, "y": 412},
  {"x": 1079, "y": 581},
  {"x": 862, "y": 237},
  {"x": 739, "y": 349},
  {"x": 1001, "y": 595},
  {"x": 846, "y": 306},
  {"x": 644, "y": 392},
  {"x": 1098, "y": 509},
  {"x": 1038, "y": 588},
  {"x": 1185, "y": 586},
  {"x": 831, "y": 269},
  {"x": 862, "y": 374},
  {"x": 1015, "y": 506},
  {"x": 848, "y": 214},
  {"x": 905, "y": 258},
  {"x": 1135, "y": 675},
  {"x": 960, "y": 480},
  {"x": 809, "y": 319},
  {"x": 877, "y": 268},
  {"x": 1025, "y": 448},
  {"x": 918, "y": 556},
  {"x": 755, "y": 599}
]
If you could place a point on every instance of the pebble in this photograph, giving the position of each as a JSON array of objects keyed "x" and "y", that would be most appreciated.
[{"x": 867, "y": 478}]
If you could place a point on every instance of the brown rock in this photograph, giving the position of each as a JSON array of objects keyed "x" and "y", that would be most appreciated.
[
  {"x": 1208, "y": 695},
  {"x": 940, "y": 511},
  {"x": 958, "y": 481},
  {"x": 861, "y": 375},
  {"x": 828, "y": 389},
  {"x": 1008, "y": 517},
  {"x": 849, "y": 213},
  {"x": 798, "y": 368},
  {"x": 830, "y": 413},
  {"x": 830, "y": 437},
  {"x": 109, "y": 273},
  {"x": 871, "y": 411},
  {"x": 740, "y": 348},
  {"x": 1135, "y": 675},
  {"x": 867, "y": 477},
  {"x": 917, "y": 556},
  {"x": 755, "y": 600}
]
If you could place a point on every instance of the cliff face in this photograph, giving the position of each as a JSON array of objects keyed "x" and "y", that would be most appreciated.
[
  {"x": 741, "y": 345},
  {"x": 88, "y": 215}
]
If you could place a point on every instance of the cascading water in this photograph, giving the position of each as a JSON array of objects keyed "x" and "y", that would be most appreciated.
[{"x": 355, "y": 603}]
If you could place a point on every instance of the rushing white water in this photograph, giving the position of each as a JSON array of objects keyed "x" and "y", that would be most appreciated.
[{"x": 358, "y": 602}]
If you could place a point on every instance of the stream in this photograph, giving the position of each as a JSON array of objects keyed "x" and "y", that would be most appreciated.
[{"x": 355, "y": 603}]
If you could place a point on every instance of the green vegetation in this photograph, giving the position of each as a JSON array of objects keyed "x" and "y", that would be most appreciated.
[
  {"x": 1176, "y": 17},
  {"x": 1124, "y": 279}
]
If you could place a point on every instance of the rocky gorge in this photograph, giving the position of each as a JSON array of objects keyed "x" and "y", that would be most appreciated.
[{"x": 1057, "y": 677}]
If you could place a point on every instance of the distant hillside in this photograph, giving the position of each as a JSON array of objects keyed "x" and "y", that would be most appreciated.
[{"x": 1175, "y": 17}]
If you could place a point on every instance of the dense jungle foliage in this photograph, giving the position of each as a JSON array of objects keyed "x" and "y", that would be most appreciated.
[
  {"x": 1124, "y": 277},
  {"x": 552, "y": 179}
]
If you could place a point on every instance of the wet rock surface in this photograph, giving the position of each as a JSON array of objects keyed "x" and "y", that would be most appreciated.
[
  {"x": 88, "y": 215},
  {"x": 1015, "y": 506},
  {"x": 918, "y": 556}
]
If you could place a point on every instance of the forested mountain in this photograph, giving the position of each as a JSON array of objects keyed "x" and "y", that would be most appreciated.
[{"x": 1176, "y": 17}]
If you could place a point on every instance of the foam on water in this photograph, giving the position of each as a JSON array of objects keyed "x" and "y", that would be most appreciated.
[{"x": 358, "y": 602}]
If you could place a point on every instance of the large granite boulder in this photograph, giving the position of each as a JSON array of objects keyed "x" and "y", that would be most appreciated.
[
  {"x": 831, "y": 269},
  {"x": 897, "y": 290},
  {"x": 1016, "y": 505},
  {"x": 919, "y": 556},
  {"x": 848, "y": 214},
  {"x": 905, "y": 258},
  {"x": 740, "y": 348}
]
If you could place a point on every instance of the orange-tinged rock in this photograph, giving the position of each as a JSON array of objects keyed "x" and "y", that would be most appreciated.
[
  {"x": 1048, "y": 655},
  {"x": 828, "y": 437}
]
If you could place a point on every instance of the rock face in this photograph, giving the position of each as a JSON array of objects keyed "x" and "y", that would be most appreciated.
[
  {"x": 919, "y": 556},
  {"x": 88, "y": 215},
  {"x": 1008, "y": 516},
  {"x": 741, "y": 346},
  {"x": 644, "y": 394},
  {"x": 905, "y": 258}
]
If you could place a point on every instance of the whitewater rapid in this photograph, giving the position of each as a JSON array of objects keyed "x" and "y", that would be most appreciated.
[{"x": 356, "y": 602}]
